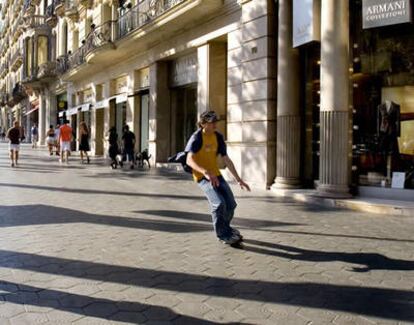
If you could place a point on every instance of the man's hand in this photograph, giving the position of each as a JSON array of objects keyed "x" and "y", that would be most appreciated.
[
  {"x": 243, "y": 185},
  {"x": 212, "y": 178}
]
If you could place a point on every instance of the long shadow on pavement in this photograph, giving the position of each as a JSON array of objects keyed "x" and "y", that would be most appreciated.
[
  {"x": 101, "y": 192},
  {"x": 120, "y": 311},
  {"x": 11, "y": 216},
  {"x": 378, "y": 302},
  {"x": 243, "y": 222},
  {"x": 369, "y": 261}
]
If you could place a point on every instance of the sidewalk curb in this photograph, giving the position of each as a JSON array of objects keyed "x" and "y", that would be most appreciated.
[{"x": 396, "y": 208}]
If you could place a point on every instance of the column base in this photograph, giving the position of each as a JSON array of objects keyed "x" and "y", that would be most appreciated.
[
  {"x": 286, "y": 183},
  {"x": 333, "y": 191}
]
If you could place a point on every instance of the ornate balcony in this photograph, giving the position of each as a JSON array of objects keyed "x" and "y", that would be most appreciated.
[
  {"x": 62, "y": 64},
  {"x": 34, "y": 22},
  {"x": 4, "y": 69},
  {"x": 18, "y": 93},
  {"x": 99, "y": 38},
  {"x": 3, "y": 99},
  {"x": 40, "y": 76},
  {"x": 143, "y": 13},
  {"x": 71, "y": 10},
  {"x": 29, "y": 7},
  {"x": 60, "y": 6},
  {"x": 47, "y": 71},
  {"x": 51, "y": 18},
  {"x": 16, "y": 60}
]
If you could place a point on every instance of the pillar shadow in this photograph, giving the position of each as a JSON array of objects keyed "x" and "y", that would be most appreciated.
[
  {"x": 120, "y": 311},
  {"x": 12, "y": 216},
  {"x": 377, "y": 302}
]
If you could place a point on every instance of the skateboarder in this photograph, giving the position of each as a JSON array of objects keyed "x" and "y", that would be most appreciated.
[{"x": 203, "y": 148}]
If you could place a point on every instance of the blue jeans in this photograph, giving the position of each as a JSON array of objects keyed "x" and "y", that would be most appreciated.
[{"x": 222, "y": 205}]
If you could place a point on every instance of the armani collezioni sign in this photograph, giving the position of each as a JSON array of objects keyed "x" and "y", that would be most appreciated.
[{"x": 378, "y": 13}]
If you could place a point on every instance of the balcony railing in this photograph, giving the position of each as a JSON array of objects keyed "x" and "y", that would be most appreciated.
[
  {"x": 110, "y": 31},
  {"x": 34, "y": 21},
  {"x": 51, "y": 17},
  {"x": 62, "y": 64},
  {"x": 142, "y": 14},
  {"x": 99, "y": 36}
]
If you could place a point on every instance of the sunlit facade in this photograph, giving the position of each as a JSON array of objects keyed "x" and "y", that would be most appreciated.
[{"x": 290, "y": 108}]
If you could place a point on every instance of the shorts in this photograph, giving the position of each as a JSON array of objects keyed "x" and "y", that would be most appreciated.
[
  {"x": 50, "y": 140},
  {"x": 65, "y": 146},
  {"x": 14, "y": 147}
]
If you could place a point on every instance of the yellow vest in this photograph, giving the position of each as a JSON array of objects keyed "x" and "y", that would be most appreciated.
[{"x": 206, "y": 157}]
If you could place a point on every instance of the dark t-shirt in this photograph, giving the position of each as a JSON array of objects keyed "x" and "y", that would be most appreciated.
[
  {"x": 128, "y": 138},
  {"x": 14, "y": 135}
]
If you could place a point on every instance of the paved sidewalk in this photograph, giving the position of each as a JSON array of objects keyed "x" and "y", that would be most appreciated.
[{"x": 85, "y": 244}]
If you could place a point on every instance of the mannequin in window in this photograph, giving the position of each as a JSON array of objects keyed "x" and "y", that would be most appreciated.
[
  {"x": 388, "y": 132},
  {"x": 388, "y": 127}
]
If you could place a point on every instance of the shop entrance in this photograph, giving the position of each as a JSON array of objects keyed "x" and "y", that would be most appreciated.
[
  {"x": 117, "y": 116},
  {"x": 310, "y": 57},
  {"x": 184, "y": 113},
  {"x": 99, "y": 132}
]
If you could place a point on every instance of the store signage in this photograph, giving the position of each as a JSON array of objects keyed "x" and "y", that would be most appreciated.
[
  {"x": 184, "y": 70},
  {"x": 144, "y": 81},
  {"x": 306, "y": 21},
  {"x": 121, "y": 85},
  {"x": 378, "y": 13}
]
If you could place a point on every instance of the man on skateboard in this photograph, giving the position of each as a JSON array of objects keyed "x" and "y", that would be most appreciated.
[{"x": 202, "y": 150}]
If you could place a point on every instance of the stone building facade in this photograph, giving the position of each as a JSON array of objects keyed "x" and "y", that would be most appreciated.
[{"x": 286, "y": 110}]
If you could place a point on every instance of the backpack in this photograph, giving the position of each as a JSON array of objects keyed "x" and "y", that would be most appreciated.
[{"x": 181, "y": 157}]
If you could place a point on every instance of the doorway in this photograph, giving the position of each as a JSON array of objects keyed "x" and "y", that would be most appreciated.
[
  {"x": 99, "y": 132},
  {"x": 184, "y": 113}
]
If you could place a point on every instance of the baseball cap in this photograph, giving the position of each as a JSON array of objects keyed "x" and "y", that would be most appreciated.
[{"x": 209, "y": 117}]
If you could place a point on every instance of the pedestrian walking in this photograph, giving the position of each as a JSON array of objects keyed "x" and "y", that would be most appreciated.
[
  {"x": 50, "y": 139},
  {"x": 84, "y": 142},
  {"x": 65, "y": 137},
  {"x": 57, "y": 143},
  {"x": 34, "y": 133},
  {"x": 14, "y": 135},
  {"x": 113, "y": 147},
  {"x": 203, "y": 148},
  {"x": 128, "y": 142}
]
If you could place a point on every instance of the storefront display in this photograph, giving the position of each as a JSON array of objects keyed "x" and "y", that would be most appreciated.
[{"x": 383, "y": 102}]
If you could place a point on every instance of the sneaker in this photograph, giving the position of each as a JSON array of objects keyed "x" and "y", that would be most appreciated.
[
  {"x": 230, "y": 240},
  {"x": 12, "y": 164},
  {"x": 237, "y": 233}
]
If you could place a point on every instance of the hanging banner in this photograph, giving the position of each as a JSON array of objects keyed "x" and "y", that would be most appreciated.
[
  {"x": 306, "y": 21},
  {"x": 377, "y": 13}
]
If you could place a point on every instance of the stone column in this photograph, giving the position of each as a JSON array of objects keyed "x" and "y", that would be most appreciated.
[
  {"x": 159, "y": 113},
  {"x": 288, "y": 110},
  {"x": 211, "y": 90},
  {"x": 42, "y": 118},
  {"x": 334, "y": 165}
]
